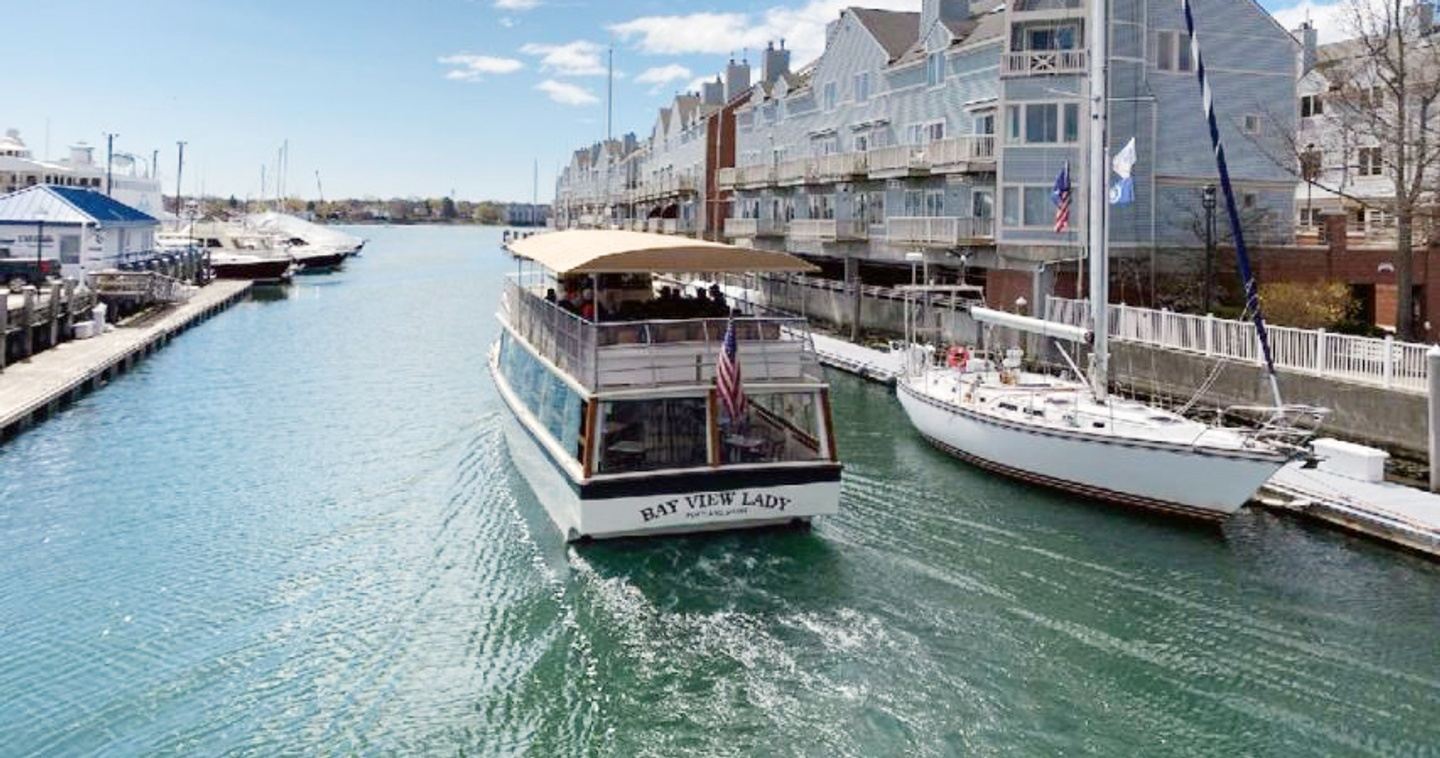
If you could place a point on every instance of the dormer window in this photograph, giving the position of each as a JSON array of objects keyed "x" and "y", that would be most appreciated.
[{"x": 935, "y": 69}]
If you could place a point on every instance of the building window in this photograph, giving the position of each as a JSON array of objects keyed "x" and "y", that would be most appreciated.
[
  {"x": 830, "y": 90},
  {"x": 985, "y": 123},
  {"x": 1311, "y": 105},
  {"x": 1045, "y": 36},
  {"x": 1172, "y": 51},
  {"x": 1247, "y": 200},
  {"x": 982, "y": 204},
  {"x": 927, "y": 203},
  {"x": 1252, "y": 124},
  {"x": 1027, "y": 206},
  {"x": 1370, "y": 161},
  {"x": 924, "y": 134},
  {"x": 862, "y": 143},
  {"x": 935, "y": 69},
  {"x": 862, "y": 86},
  {"x": 1042, "y": 123}
]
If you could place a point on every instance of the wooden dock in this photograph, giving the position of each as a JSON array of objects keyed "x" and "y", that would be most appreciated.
[{"x": 33, "y": 389}]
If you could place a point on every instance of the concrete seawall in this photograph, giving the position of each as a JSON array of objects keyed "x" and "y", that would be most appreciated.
[{"x": 1396, "y": 421}]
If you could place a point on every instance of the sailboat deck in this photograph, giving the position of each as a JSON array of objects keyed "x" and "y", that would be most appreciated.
[{"x": 1060, "y": 404}]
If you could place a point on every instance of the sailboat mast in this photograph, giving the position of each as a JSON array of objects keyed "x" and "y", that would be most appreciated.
[{"x": 1095, "y": 203}]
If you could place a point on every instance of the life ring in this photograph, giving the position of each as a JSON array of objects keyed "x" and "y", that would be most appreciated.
[{"x": 958, "y": 357}]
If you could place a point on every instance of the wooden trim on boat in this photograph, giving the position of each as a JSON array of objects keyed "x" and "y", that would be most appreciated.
[
  {"x": 829, "y": 424},
  {"x": 713, "y": 413},
  {"x": 587, "y": 464}
]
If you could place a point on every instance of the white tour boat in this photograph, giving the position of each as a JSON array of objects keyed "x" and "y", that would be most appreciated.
[
  {"x": 636, "y": 409},
  {"x": 1070, "y": 434}
]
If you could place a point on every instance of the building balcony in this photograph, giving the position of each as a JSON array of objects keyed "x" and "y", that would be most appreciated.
[
  {"x": 840, "y": 166},
  {"x": 760, "y": 175},
  {"x": 897, "y": 160},
  {"x": 753, "y": 227},
  {"x": 677, "y": 226},
  {"x": 967, "y": 152},
  {"x": 1042, "y": 62},
  {"x": 828, "y": 229},
  {"x": 938, "y": 231},
  {"x": 792, "y": 172},
  {"x": 726, "y": 178}
]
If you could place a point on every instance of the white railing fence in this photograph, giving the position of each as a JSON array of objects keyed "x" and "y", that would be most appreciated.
[{"x": 1381, "y": 362}]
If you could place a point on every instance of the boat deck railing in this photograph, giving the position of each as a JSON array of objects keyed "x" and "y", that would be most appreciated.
[{"x": 609, "y": 355}]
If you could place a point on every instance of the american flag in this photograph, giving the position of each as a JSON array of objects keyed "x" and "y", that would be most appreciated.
[
  {"x": 1060, "y": 196},
  {"x": 727, "y": 377}
]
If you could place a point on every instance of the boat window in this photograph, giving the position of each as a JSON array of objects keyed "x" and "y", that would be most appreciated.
[
  {"x": 645, "y": 435},
  {"x": 775, "y": 427},
  {"x": 554, "y": 403}
]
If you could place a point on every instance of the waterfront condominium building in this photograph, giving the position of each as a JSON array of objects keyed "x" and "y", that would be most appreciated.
[{"x": 943, "y": 132}]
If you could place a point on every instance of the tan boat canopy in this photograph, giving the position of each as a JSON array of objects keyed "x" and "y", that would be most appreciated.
[{"x": 583, "y": 251}]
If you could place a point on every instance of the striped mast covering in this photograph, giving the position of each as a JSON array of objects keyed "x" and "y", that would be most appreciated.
[
  {"x": 727, "y": 377},
  {"x": 1252, "y": 288}
]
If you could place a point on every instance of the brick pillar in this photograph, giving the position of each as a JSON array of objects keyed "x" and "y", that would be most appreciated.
[{"x": 1335, "y": 227}]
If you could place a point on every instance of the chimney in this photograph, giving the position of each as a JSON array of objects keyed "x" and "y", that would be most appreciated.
[
  {"x": 932, "y": 11},
  {"x": 777, "y": 62},
  {"x": 737, "y": 79},
  {"x": 1421, "y": 17},
  {"x": 1309, "y": 39},
  {"x": 713, "y": 93}
]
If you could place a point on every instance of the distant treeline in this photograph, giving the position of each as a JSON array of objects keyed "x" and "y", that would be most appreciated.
[{"x": 437, "y": 210}]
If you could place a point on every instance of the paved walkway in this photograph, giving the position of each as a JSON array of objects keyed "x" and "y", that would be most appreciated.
[{"x": 29, "y": 385}]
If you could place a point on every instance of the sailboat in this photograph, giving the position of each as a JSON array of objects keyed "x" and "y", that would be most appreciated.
[{"x": 1068, "y": 432}]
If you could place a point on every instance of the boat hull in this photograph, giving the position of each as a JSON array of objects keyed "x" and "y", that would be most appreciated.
[
  {"x": 671, "y": 502},
  {"x": 1180, "y": 479},
  {"x": 272, "y": 270},
  {"x": 315, "y": 264}
]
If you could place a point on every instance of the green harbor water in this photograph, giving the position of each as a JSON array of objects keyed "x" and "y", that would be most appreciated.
[{"x": 297, "y": 530}]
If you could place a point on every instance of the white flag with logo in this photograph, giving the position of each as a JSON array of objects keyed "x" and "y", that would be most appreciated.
[{"x": 1122, "y": 191}]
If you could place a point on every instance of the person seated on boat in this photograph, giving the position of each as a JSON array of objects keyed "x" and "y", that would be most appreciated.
[
  {"x": 718, "y": 296},
  {"x": 550, "y": 295},
  {"x": 587, "y": 305}
]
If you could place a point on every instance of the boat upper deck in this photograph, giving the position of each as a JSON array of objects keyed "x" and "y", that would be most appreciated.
[{"x": 645, "y": 339}]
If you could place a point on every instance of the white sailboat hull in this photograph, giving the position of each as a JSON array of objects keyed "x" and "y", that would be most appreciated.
[{"x": 1182, "y": 479}]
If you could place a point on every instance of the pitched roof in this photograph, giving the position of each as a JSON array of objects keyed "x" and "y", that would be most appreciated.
[
  {"x": 67, "y": 205},
  {"x": 896, "y": 31}
]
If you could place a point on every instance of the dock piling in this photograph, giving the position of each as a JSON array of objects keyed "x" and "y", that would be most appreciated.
[
  {"x": 27, "y": 323},
  {"x": 1432, "y": 365}
]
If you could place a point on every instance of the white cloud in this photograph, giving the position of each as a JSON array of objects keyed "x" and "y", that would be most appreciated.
[
  {"x": 802, "y": 27},
  {"x": 469, "y": 68},
  {"x": 578, "y": 58},
  {"x": 566, "y": 93},
  {"x": 660, "y": 76},
  {"x": 516, "y": 5},
  {"x": 508, "y": 22}
]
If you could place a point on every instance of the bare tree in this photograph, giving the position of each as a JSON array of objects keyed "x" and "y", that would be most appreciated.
[{"x": 1384, "y": 84}]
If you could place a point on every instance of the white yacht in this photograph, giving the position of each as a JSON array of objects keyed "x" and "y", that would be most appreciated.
[
  {"x": 314, "y": 246},
  {"x": 1069, "y": 433},
  {"x": 235, "y": 252},
  {"x": 635, "y": 409}
]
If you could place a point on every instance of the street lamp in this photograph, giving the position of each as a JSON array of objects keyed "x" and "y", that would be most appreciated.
[
  {"x": 1207, "y": 201},
  {"x": 40, "y": 247}
]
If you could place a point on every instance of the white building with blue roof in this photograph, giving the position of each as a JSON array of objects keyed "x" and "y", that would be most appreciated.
[{"x": 83, "y": 230}]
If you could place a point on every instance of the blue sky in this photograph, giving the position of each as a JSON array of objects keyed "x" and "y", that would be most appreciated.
[{"x": 382, "y": 98}]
